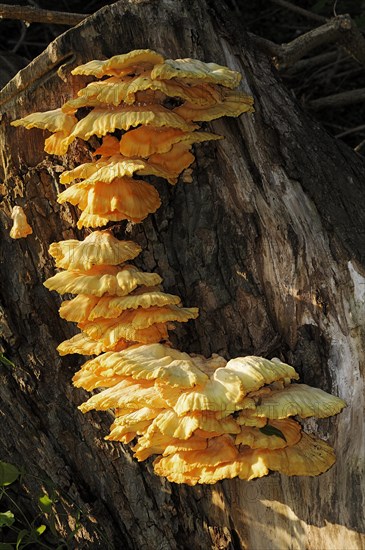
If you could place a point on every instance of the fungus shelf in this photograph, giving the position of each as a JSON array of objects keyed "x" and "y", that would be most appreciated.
[{"x": 205, "y": 419}]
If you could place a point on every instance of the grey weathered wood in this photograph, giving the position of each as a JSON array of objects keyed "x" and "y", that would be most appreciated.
[{"x": 268, "y": 241}]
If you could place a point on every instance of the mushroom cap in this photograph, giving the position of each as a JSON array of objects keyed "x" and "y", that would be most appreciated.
[
  {"x": 196, "y": 72},
  {"x": 81, "y": 344},
  {"x": 309, "y": 457},
  {"x": 78, "y": 309},
  {"x": 114, "y": 91},
  {"x": 151, "y": 362},
  {"x": 97, "y": 221},
  {"x": 254, "y": 372},
  {"x": 134, "y": 324},
  {"x": 111, "y": 331},
  {"x": 91, "y": 379},
  {"x": 91, "y": 68},
  {"x": 135, "y": 198},
  {"x": 119, "y": 432},
  {"x": 223, "y": 398},
  {"x": 56, "y": 143},
  {"x": 21, "y": 227},
  {"x": 128, "y": 394},
  {"x": 109, "y": 147},
  {"x": 182, "y": 427},
  {"x": 118, "y": 63},
  {"x": 131, "y": 421},
  {"x": 126, "y": 417},
  {"x": 146, "y": 141},
  {"x": 123, "y": 198},
  {"x": 54, "y": 121},
  {"x": 233, "y": 104},
  {"x": 100, "y": 121},
  {"x": 218, "y": 450},
  {"x": 156, "y": 443},
  {"x": 118, "y": 166},
  {"x": 76, "y": 194},
  {"x": 86, "y": 307},
  {"x": 84, "y": 345},
  {"x": 100, "y": 280},
  {"x": 72, "y": 105},
  {"x": 269, "y": 438},
  {"x": 247, "y": 465},
  {"x": 111, "y": 307},
  {"x": 98, "y": 248},
  {"x": 247, "y": 417},
  {"x": 228, "y": 387},
  {"x": 83, "y": 171},
  {"x": 174, "y": 161},
  {"x": 301, "y": 400}
]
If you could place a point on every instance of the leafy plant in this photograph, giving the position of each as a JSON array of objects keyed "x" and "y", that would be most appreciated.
[
  {"x": 5, "y": 361},
  {"x": 16, "y": 530}
]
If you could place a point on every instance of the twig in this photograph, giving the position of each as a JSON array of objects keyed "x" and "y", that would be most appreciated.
[
  {"x": 313, "y": 61},
  {"x": 358, "y": 148},
  {"x": 340, "y": 29},
  {"x": 332, "y": 31},
  {"x": 37, "y": 15},
  {"x": 338, "y": 100},
  {"x": 351, "y": 131},
  {"x": 300, "y": 11}
]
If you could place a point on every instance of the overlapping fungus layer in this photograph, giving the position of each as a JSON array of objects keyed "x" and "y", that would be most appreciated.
[
  {"x": 205, "y": 419},
  {"x": 116, "y": 305},
  {"x": 145, "y": 109}
]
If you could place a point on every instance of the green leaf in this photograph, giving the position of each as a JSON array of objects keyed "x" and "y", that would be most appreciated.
[
  {"x": 41, "y": 529},
  {"x": 8, "y": 473},
  {"x": 6, "y": 546},
  {"x": 21, "y": 536},
  {"x": 271, "y": 430},
  {"x": 5, "y": 361},
  {"x": 45, "y": 503},
  {"x": 6, "y": 519}
]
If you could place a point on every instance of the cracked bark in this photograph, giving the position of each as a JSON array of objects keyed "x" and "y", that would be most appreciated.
[{"x": 267, "y": 241}]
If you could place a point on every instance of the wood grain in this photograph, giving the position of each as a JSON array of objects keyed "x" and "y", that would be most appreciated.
[{"x": 267, "y": 241}]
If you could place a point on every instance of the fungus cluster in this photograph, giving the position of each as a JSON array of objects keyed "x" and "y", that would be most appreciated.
[
  {"x": 155, "y": 103},
  {"x": 205, "y": 419},
  {"x": 209, "y": 419},
  {"x": 116, "y": 305}
]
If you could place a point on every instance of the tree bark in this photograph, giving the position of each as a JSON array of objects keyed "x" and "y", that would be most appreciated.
[{"x": 268, "y": 241}]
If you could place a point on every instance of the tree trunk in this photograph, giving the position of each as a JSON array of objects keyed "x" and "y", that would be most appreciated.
[{"x": 268, "y": 241}]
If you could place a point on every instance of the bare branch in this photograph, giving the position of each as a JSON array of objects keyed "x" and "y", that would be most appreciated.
[
  {"x": 266, "y": 46},
  {"x": 338, "y": 100},
  {"x": 341, "y": 29},
  {"x": 359, "y": 146},
  {"x": 355, "y": 130},
  {"x": 37, "y": 15},
  {"x": 314, "y": 61}
]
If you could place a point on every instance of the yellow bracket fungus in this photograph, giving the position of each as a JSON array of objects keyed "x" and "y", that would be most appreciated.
[
  {"x": 206, "y": 419},
  {"x": 21, "y": 227}
]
